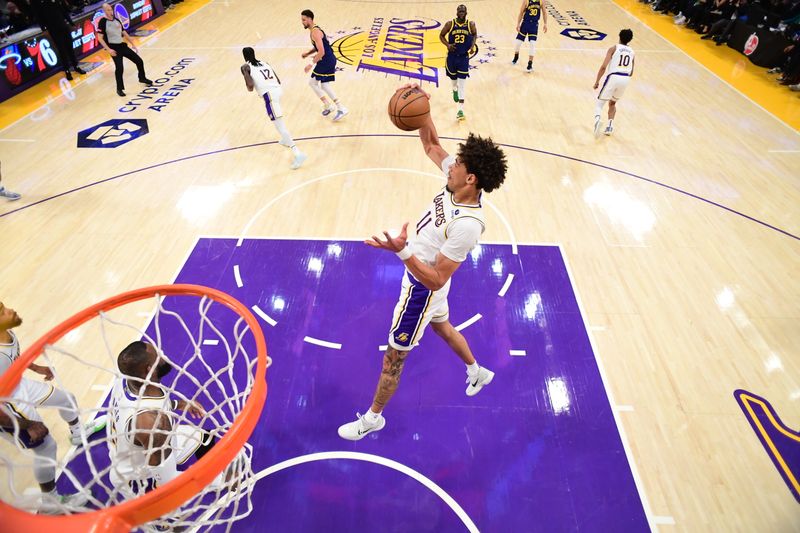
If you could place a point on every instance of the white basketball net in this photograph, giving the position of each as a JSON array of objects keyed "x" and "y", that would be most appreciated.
[{"x": 213, "y": 355}]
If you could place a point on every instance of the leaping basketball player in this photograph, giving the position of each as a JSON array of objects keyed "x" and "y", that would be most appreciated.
[
  {"x": 324, "y": 68},
  {"x": 459, "y": 36},
  {"x": 528, "y": 28},
  {"x": 259, "y": 75},
  {"x": 619, "y": 62},
  {"x": 448, "y": 229},
  {"x": 30, "y": 432}
]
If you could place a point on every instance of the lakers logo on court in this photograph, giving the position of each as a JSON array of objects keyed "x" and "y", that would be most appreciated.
[
  {"x": 404, "y": 47},
  {"x": 112, "y": 133}
]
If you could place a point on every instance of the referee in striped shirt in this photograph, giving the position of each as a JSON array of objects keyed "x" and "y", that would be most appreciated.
[{"x": 112, "y": 35}]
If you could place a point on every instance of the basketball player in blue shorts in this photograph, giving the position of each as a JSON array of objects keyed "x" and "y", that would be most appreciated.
[
  {"x": 459, "y": 36},
  {"x": 450, "y": 226},
  {"x": 324, "y": 68},
  {"x": 528, "y": 28}
]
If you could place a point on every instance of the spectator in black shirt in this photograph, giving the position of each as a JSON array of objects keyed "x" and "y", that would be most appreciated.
[
  {"x": 112, "y": 35},
  {"x": 54, "y": 17}
]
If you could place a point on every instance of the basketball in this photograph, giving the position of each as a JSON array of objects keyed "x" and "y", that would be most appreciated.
[{"x": 409, "y": 109}]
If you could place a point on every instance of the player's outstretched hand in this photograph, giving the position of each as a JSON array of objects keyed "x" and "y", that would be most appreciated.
[
  {"x": 596, "y": 85},
  {"x": 392, "y": 244},
  {"x": 194, "y": 409}
]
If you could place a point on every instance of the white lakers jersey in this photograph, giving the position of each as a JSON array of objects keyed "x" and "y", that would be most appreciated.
[
  {"x": 127, "y": 457},
  {"x": 447, "y": 227},
  {"x": 8, "y": 353},
  {"x": 264, "y": 78},
  {"x": 621, "y": 60}
]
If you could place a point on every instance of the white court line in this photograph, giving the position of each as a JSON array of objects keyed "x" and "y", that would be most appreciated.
[
  {"x": 783, "y": 151},
  {"x": 210, "y": 342},
  {"x": 637, "y": 479},
  {"x": 517, "y": 353},
  {"x": 468, "y": 323},
  {"x": 376, "y": 459},
  {"x": 506, "y": 285},
  {"x": 324, "y": 344},
  {"x": 243, "y": 234},
  {"x": 238, "y": 276},
  {"x": 268, "y": 319},
  {"x": 98, "y": 387},
  {"x": 383, "y": 347},
  {"x": 625, "y": 408},
  {"x": 664, "y": 520}
]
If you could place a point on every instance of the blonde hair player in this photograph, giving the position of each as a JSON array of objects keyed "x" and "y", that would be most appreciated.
[
  {"x": 261, "y": 77},
  {"x": 448, "y": 229},
  {"x": 619, "y": 62},
  {"x": 324, "y": 67},
  {"x": 22, "y": 425}
]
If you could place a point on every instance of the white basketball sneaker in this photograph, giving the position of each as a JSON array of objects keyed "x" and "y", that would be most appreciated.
[
  {"x": 340, "y": 113},
  {"x": 609, "y": 130},
  {"x": 298, "y": 160},
  {"x": 360, "y": 428},
  {"x": 55, "y": 503},
  {"x": 98, "y": 424},
  {"x": 596, "y": 125},
  {"x": 476, "y": 383}
]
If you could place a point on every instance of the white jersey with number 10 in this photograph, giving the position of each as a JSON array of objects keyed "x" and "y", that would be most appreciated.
[{"x": 621, "y": 60}]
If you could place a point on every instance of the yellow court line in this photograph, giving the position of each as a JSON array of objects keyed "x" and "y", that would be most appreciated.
[
  {"x": 41, "y": 94},
  {"x": 767, "y": 439},
  {"x": 730, "y": 65}
]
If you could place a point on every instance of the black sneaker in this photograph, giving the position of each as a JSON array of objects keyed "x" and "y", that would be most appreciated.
[
  {"x": 146, "y": 81},
  {"x": 68, "y": 75},
  {"x": 79, "y": 70},
  {"x": 120, "y": 92}
]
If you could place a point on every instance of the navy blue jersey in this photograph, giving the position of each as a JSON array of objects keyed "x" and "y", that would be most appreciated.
[
  {"x": 460, "y": 37},
  {"x": 325, "y": 44},
  {"x": 532, "y": 13}
]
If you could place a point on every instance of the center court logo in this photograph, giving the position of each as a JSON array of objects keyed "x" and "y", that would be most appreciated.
[
  {"x": 583, "y": 34},
  {"x": 407, "y": 48},
  {"x": 112, "y": 133}
]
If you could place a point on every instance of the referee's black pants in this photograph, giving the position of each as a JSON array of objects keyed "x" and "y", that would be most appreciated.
[{"x": 123, "y": 50}]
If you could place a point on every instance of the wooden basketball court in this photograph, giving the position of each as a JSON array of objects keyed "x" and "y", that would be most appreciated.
[{"x": 680, "y": 232}]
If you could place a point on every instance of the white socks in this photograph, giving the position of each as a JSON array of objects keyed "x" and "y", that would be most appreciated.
[
  {"x": 598, "y": 109},
  {"x": 371, "y": 418},
  {"x": 472, "y": 370},
  {"x": 316, "y": 87},
  {"x": 329, "y": 91},
  {"x": 286, "y": 137}
]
